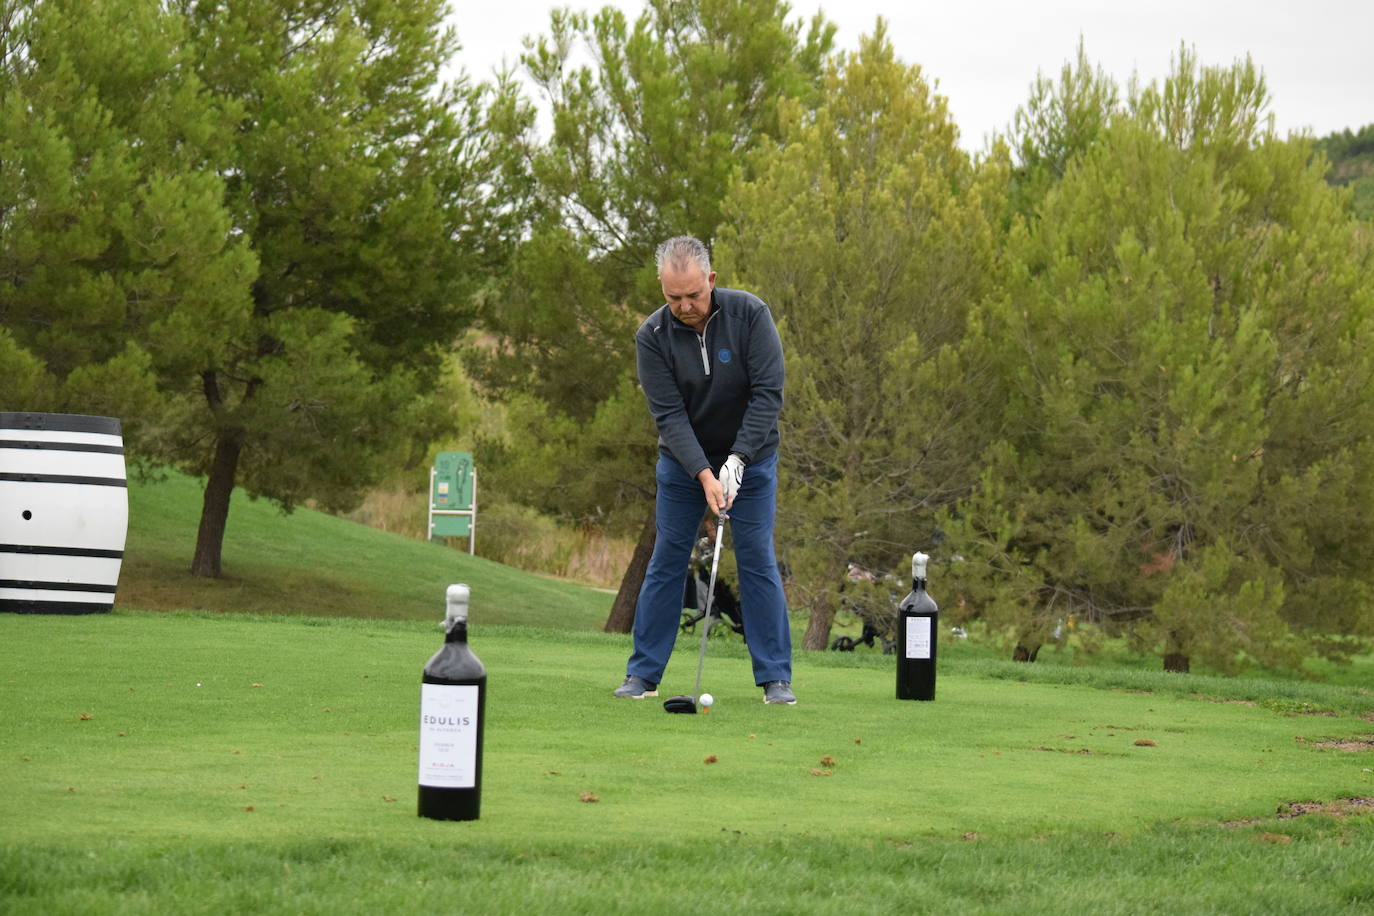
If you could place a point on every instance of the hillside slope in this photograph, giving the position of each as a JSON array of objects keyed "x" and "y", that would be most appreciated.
[{"x": 316, "y": 564}]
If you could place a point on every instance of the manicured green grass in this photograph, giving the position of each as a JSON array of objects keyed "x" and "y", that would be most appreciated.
[
  {"x": 316, "y": 564},
  {"x": 234, "y": 763},
  {"x": 1357, "y": 671},
  {"x": 264, "y": 760}
]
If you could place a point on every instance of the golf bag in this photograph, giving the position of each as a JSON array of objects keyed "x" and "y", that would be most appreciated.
[
  {"x": 725, "y": 606},
  {"x": 873, "y": 599}
]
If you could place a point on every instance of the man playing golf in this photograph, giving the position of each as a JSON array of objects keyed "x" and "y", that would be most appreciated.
[{"x": 710, "y": 363}]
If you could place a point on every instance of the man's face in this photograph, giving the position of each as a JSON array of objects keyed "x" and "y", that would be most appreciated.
[{"x": 688, "y": 292}]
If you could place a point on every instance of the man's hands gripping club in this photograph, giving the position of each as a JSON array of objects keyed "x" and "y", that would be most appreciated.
[{"x": 721, "y": 491}]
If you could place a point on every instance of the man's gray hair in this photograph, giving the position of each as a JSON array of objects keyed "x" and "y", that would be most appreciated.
[{"x": 680, "y": 251}]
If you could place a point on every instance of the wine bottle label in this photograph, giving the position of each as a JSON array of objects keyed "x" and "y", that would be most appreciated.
[
  {"x": 448, "y": 736},
  {"x": 917, "y": 637}
]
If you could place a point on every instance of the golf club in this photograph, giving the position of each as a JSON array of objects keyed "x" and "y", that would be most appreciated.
[{"x": 688, "y": 704}]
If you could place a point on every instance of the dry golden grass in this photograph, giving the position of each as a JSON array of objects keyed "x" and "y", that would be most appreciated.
[
  {"x": 394, "y": 509},
  {"x": 512, "y": 535}
]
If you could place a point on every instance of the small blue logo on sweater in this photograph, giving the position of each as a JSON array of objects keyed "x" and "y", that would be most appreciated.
[{"x": 723, "y": 355}]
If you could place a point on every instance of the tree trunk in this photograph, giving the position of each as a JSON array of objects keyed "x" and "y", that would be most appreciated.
[
  {"x": 622, "y": 617},
  {"x": 1024, "y": 653},
  {"x": 1176, "y": 662},
  {"x": 214, "y": 513},
  {"x": 824, "y": 602},
  {"x": 1175, "y": 655},
  {"x": 817, "y": 637}
]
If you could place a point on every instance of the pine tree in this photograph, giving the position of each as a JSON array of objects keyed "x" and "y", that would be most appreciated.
[
  {"x": 645, "y": 138},
  {"x": 869, "y": 233},
  {"x": 114, "y": 240},
  {"x": 356, "y": 184},
  {"x": 1351, "y": 155},
  {"x": 253, "y": 226},
  {"x": 1182, "y": 343},
  {"x": 1060, "y": 120}
]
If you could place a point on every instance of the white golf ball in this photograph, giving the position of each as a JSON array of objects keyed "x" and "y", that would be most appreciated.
[{"x": 707, "y": 699}]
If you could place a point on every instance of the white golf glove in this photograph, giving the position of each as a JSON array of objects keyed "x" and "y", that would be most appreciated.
[{"x": 731, "y": 474}]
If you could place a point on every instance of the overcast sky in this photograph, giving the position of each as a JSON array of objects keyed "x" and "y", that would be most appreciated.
[{"x": 1316, "y": 55}]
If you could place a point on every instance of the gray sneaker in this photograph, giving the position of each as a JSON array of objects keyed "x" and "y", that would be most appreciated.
[
  {"x": 779, "y": 692},
  {"x": 636, "y": 688}
]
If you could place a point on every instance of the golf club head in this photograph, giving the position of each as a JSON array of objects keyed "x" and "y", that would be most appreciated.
[{"x": 680, "y": 704}]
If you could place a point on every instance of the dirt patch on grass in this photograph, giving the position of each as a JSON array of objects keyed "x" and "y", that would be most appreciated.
[
  {"x": 1065, "y": 750},
  {"x": 1337, "y": 808},
  {"x": 1351, "y": 745},
  {"x": 1214, "y": 699}
]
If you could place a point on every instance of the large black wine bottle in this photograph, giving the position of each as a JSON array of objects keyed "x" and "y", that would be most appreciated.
[
  {"x": 917, "y": 627},
  {"x": 453, "y": 700}
]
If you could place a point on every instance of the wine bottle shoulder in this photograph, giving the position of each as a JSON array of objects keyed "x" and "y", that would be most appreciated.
[
  {"x": 919, "y": 602},
  {"x": 455, "y": 663}
]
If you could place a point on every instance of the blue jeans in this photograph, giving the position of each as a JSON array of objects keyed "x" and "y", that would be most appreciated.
[{"x": 680, "y": 505}]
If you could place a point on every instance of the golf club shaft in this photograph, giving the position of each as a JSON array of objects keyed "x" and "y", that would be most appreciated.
[{"x": 710, "y": 598}]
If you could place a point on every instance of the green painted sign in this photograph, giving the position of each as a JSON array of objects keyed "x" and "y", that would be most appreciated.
[{"x": 451, "y": 489}]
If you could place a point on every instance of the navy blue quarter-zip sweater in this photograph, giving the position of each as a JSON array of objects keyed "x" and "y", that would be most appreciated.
[{"x": 716, "y": 392}]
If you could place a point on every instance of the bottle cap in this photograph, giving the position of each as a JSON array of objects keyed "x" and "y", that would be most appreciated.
[
  {"x": 918, "y": 565},
  {"x": 456, "y": 605}
]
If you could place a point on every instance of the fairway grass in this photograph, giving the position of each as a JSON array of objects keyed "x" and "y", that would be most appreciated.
[{"x": 202, "y": 763}]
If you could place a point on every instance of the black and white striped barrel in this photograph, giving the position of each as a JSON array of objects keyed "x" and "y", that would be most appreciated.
[{"x": 64, "y": 512}]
